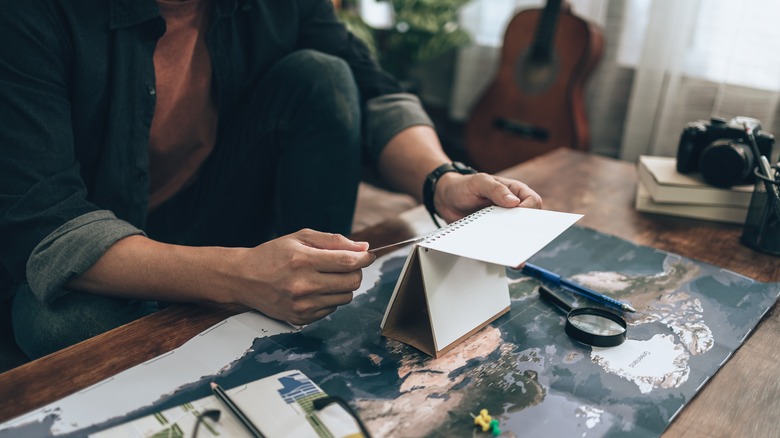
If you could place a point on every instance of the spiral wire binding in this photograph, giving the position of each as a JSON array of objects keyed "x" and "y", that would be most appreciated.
[{"x": 458, "y": 224}]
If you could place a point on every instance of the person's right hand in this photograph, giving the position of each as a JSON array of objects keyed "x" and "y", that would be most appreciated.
[{"x": 300, "y": 277}]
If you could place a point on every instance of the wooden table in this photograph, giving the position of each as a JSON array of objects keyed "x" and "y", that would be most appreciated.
[{"x": 742, "y": 399}]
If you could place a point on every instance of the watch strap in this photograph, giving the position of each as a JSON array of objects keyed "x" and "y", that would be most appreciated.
[{"x": 429, "y": 186}]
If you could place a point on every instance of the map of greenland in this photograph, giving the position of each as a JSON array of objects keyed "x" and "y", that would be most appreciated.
[
  {"x": 661, "y": 361},
  {"x": 655, "y": 363}
]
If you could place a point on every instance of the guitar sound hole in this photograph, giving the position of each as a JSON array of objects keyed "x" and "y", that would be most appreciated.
[
  {"x": 520, "y": 129},
  {"x": 535, "y": 74}
]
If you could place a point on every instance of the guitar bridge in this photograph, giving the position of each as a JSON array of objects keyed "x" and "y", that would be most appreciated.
[{"x": 520, "y": 129}]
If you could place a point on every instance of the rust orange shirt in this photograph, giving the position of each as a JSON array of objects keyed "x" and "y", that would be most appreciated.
[{"x": 184, "y": 125}]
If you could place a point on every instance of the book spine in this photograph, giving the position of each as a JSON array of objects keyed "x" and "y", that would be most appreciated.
[
  {"x": 701, "y": 195},
  {"x": 718, "y": 213}
]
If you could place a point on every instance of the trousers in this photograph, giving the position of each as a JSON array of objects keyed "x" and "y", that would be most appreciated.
[{"x": 288, "y": 158}]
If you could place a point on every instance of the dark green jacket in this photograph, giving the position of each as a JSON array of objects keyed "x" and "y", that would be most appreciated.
[{"x": 77, "y": 95}]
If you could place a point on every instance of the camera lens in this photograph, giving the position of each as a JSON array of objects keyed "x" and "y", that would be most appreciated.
[{"x": 724, "y": 163}]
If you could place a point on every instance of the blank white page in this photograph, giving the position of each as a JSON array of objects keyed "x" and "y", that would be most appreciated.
[
  {"x": 504, "y": 236},
  {"x": 462, "y": 294}
]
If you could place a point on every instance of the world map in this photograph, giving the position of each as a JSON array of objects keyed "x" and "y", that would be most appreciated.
[{"x": 522, "y": 367}]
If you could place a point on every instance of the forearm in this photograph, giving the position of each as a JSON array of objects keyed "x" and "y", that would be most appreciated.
[
  {"x": 137, "y": 267},
  {"x": 299, "y": 278},
  {"x": 409, "y": 157}
]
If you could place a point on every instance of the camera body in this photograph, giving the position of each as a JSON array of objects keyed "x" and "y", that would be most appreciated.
[{"x": 721, "y": 150}]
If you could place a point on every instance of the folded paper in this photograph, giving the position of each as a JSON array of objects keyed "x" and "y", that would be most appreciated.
[{"x": 454, "y": 282}]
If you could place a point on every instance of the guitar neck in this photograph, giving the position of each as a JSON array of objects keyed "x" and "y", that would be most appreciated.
[{"x": 541, "y": 49}]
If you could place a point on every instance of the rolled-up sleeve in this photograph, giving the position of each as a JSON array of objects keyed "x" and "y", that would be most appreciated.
[
  {"x": 385, "y": 116},
  {"x": 71, "y": 249}
]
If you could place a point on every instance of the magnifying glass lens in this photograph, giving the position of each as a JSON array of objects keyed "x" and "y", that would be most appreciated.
[
  {"x": 596, "y": 325},
  {"x": 589, "y": 325}
]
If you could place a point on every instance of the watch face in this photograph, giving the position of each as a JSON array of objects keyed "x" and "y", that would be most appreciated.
[{"x": 462, "y": 168}]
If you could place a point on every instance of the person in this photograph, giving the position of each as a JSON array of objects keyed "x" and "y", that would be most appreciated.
[{"x": 159, "y": 151}]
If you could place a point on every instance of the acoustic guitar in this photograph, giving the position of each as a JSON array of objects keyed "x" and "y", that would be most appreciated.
[{"x": 535, "y": 103}]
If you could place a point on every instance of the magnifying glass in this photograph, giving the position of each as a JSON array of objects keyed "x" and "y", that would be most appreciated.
[{"x": 589, "y": 325}]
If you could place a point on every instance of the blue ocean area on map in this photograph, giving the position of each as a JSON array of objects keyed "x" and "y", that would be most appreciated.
[{"x": 522, "y": 367}]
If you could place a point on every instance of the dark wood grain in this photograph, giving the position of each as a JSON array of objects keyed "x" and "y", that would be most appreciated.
[{"x": 743, "y": 398}]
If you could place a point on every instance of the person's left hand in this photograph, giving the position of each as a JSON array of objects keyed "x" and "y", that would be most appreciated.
[{"x": 459, "y": 195}]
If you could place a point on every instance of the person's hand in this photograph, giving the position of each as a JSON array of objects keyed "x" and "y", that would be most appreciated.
[
  {"x": 459, "y": 195},
  {"x": 301, "y": 277}
]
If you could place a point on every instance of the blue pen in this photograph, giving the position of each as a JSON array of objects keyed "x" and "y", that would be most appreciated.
[{"x": 543, "y": 274}]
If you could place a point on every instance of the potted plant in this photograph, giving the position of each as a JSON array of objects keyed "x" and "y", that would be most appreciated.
[{"x": 422, "y": 30}]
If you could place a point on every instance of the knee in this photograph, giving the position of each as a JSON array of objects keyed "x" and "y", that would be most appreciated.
[
  {"x": 321, "y": 69},
  {"x": 329, "y": 82}
]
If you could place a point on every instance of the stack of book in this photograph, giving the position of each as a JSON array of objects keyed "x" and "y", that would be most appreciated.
[{"x": 661, "y": 189}]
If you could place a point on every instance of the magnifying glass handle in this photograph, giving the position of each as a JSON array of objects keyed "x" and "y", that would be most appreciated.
[{"x": 552, "y": 297}]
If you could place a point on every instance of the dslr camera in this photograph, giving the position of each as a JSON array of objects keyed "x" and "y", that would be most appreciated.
[{"x": 722, "y": 151}]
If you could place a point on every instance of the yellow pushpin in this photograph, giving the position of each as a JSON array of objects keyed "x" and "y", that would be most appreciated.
[{"x": 483, "y": 420}]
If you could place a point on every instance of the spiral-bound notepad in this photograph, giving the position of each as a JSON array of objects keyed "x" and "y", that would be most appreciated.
[
  {"x": 504, "y": 236},
  {"x": 454, "y": 281}
]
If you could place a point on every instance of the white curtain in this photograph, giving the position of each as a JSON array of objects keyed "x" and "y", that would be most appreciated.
[
  {"x": 665, "y": 63},
  {"x": 701, "y": 59}
]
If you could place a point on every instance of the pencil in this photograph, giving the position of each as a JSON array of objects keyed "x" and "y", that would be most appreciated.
[{"x": 223, "y": 397}]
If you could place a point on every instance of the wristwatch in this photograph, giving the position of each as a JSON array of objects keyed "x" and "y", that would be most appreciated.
[{"x": 429, "y": 186}]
